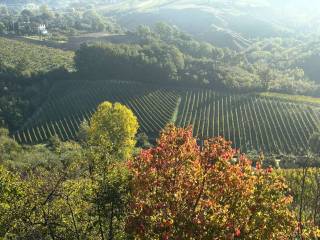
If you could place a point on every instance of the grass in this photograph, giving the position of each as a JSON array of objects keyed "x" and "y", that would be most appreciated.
[{"x": 292, "y": 98}]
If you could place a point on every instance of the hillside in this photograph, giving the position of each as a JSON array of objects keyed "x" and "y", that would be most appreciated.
[
  {"x": 268, "y": 123},
  {"x": 30, "y": 59},
  {"x": 233, "y": 24}
]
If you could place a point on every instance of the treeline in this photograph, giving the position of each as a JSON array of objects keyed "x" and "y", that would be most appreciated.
[
  {"x": 149, "y": 63},
  {"x": 176, "y": 59},
  {"x": 286, "y": 64},
  {"x": 164, "y": 53},
  {"x": 104, "y": 188}
]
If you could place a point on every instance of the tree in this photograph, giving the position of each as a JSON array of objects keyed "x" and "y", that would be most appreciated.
[
  {"x": 4, "y": 10},
  {"x": 112, "y": 132},
  {"x": 2, "y": 27},
  {"x": 182, "y": 191},
  {"x": 94, "y": 20},
  {"x": 27, "y": 14},
  {"x": 11, "y": 198},
  {"x": 111, "y": 140},
  {"x": 44, "y": 9},
  {"x": 57, "y": 194},
  {"x": 304, "y": 185},
  {"x": 46, "y": 14},
  {"x": 9, "y": 149}
]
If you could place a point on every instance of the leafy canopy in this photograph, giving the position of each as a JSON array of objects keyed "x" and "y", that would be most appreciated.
[
  {"x": 112, "y": 131},
  {"x": 182, "y": 191}
]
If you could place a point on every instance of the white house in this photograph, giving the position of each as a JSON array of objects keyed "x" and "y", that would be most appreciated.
[{"x": 42, "y": 29}]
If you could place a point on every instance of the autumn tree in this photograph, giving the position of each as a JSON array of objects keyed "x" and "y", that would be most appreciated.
[{"x": 182, "y": 191}]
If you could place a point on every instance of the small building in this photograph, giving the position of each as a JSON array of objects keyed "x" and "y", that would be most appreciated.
[{"x": 42, "y": 29}]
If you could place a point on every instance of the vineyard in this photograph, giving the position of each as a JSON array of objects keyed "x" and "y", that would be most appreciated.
[
  {"x": 33, "y": 58},
  {"x": 251, "y": 122},
  {"x": 66, "y": 108}
]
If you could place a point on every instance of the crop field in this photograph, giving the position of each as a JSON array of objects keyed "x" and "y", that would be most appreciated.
[
  {"x": 72, "y": 103},
  {"x": 34, "y": 58},
  {"x": 251, "y": 122}
]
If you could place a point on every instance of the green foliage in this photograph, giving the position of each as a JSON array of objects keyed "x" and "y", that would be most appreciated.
[
  {"x": 26, "y": 71},
  {"x": 314, "y": 143},
  {"x": 52, "y": 192},
  {"x": 9, "y": 149},
  {"x": 111, "y": 140},
  {"x": 293, "y": 98},
  {"x": 238, "y": 78},
  {"x": 11, "y": 200},
  {"x": 67, "y": 21},
  {"x": 304, "y": 185},
  {"x": 155, "y": 62},
  {"x": 27, "y": 59},
  {"x": 111, "y": 196},
  {"x": 55, "y": 195},
  {"x": 112, "y": 132},
  {"x": 165, "y": 53}
]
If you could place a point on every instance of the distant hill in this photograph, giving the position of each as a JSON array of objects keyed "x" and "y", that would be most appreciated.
[{"x": 224, "y": 23}]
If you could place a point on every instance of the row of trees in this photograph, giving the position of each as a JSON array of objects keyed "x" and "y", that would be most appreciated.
[
  {"x": 149, "y": 63},
  {"x": 101, "y": 189},
  {"x": 269, "y": 65},
  {"x": 166, "y": 53}
]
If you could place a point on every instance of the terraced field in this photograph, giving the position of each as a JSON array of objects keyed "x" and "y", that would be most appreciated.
[
  {"x": 251, "y": 122},
  {"x": 70, "y": 104}
]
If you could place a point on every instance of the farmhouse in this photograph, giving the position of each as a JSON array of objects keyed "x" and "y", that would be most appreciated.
[{"x": 42, "y": 29}]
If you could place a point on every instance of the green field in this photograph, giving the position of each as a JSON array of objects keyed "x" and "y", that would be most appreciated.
[
  {"x": 32, "y": 58},
  {"x": 251, "y": 122}
]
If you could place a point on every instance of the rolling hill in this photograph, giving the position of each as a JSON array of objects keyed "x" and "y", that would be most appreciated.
[
  {"x": 262, "y": 123},
  {"x": 32, "y": 58},
  {"x": 233, "y": 24}
]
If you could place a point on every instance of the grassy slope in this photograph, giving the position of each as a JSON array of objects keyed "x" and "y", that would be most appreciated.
[
  {"x": 292, "y": 98},
  {"x": 34, "y": 58}
]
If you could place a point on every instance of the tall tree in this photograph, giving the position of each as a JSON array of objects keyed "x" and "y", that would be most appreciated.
[{"x": 111, "y": 140}]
